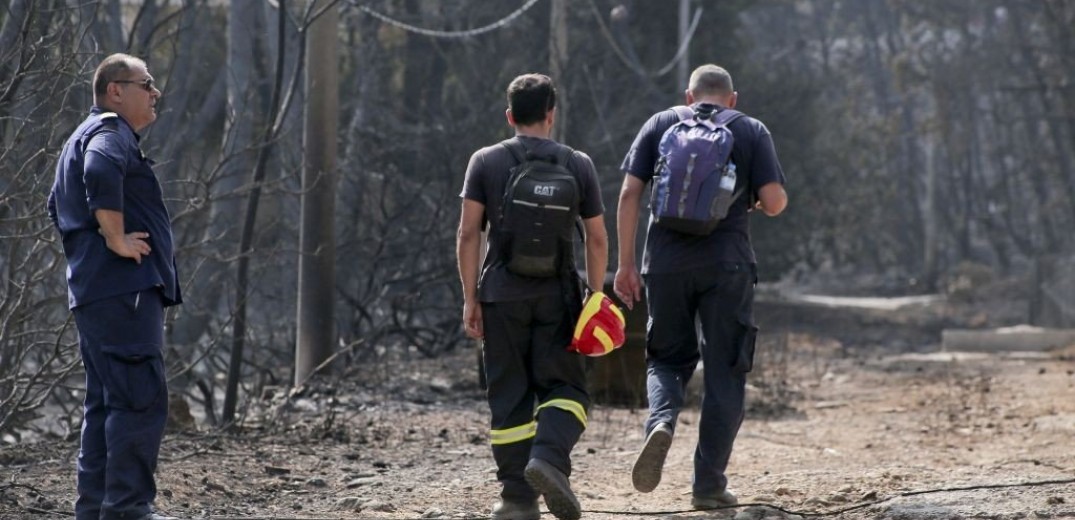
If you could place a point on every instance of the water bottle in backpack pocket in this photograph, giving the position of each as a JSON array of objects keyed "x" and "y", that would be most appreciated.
[
  {"x": 726, "y": 194},
  {"x": 538, "y": 213},
  {"x": 694, "y": 181}
]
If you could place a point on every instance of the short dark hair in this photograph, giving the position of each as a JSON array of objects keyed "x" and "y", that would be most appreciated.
[
  {"x": 709, "y": 80},
  {"x": 114, "y": 68},
  {"x": 530, "y": 98}
]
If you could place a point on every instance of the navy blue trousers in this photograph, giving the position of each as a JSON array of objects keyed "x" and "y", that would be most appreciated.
[
  {"x": 126, "y": 405},
  {"x": 537, "y": 389},
  {"x": 718, "y": 303}
]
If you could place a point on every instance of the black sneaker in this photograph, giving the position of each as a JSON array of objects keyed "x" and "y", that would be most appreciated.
[
  {"x": 553, "y": 485},
  {"x": 512, "y": 510},
  {"x": 646, "y": 473}
]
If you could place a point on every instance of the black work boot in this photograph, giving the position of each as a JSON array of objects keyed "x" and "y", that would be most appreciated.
[
  {"x": 513, "y": 510},
  {"x": 553, "y": 485}
]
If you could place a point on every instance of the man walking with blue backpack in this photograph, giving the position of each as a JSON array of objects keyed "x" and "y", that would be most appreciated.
[
  {"x": 525, "y": 300},
  {"x": 709, "y": 165}
]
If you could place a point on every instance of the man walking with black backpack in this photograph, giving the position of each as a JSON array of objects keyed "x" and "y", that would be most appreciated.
[
  {"x": 531, "y": 191},
  {"x": 704, "y": 272}
]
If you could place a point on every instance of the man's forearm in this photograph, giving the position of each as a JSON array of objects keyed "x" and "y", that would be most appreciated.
[
  {"x": 596, "y": 263},
  {"x": 468, "y": 249},
  {"x": 626, "y": 227},
  {"x": 111, "y": 223}
]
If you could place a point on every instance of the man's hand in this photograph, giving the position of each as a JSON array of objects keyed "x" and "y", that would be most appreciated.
[
  {"x": 628, "y": 286},
  {"x": 772, "y": 199},
  {"x": 472, "y": 320},
  {"x": 129, "y": 245},
  {"x": 468, "y": 253}
]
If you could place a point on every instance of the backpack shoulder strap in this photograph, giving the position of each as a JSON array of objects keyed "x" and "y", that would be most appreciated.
[
  {"x": 517, "y": 150},
  {"x": 563, "y": 158},
  {"x": 564, "y": 155},
  {"x": 684, "y": 112},
  {"x": 726, "y": 116}
]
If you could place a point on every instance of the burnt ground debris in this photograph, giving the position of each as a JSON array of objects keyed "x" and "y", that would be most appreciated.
[{"x": 854, "y": 424}]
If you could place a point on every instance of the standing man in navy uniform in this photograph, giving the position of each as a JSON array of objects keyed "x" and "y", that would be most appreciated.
[
  {"x": 108, "y": 207},
  {"x": 689, "y": 279}
]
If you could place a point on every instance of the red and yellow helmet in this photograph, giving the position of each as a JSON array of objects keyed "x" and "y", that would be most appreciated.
[{"x": 600, "y": 328}]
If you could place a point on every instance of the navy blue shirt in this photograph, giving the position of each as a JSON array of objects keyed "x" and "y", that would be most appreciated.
[
  {"x": 485, "y": 181},
  {"x": 756, "y": 163},
  {"x": 102, "y": 167}
]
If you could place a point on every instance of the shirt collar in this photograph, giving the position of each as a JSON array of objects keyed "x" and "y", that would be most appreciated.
[{"x": 96, "y": 110}]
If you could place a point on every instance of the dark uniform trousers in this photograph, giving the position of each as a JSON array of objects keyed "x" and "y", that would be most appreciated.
[
  {"x": 126, "y": 404},
  {"x": 718, "y": 302},
  {"x": 537, "y": 389}
]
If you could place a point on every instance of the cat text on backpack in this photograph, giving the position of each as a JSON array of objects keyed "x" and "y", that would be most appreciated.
[{"x": 538, "y": 213}]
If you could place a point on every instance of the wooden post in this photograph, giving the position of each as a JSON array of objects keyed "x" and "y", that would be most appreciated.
[
  {"x": 317, "y": 241},
  {"x": 929, "y": 218}
]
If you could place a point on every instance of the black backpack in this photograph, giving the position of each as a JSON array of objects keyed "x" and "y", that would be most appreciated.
[{"x": 538, "y": 212}]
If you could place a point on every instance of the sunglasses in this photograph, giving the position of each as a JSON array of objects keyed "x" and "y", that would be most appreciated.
[{"x": 146, "y": 84}]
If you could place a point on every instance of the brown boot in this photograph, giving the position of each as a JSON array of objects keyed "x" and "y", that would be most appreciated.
[{"x": 723, "y": 499}]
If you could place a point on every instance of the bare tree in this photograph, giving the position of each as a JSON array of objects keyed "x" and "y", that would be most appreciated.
[{"x": 917, "y": 136}]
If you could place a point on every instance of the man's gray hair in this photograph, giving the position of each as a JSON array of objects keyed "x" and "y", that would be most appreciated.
[
  {"x": 116, "y": 67},
  {"x": 709, "y": 80}
]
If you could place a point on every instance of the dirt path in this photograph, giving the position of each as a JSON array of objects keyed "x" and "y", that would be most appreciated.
[{"x": 860, "y": 429}]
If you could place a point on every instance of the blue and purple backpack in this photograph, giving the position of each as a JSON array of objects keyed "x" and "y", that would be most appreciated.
[{"x": 695, "y": 154}]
